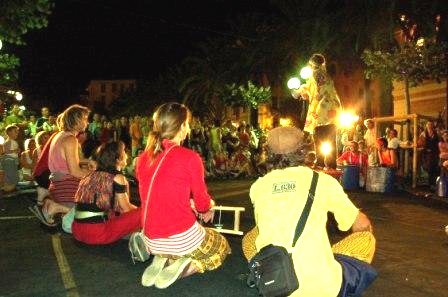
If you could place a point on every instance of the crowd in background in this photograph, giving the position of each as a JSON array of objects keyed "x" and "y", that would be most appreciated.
[{"x": 229, "y": 149}]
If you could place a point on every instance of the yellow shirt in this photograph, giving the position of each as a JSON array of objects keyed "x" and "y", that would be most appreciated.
[
  {"x": 324, "y": 101},
  {"x": 279, "y": 198}
]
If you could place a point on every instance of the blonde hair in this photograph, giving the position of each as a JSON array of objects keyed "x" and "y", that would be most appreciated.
[
  {"x": 168, "y": 120},
  {"x": 71, "y": 117}
]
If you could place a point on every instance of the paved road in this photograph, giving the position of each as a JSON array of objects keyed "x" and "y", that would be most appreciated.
[{"x": 411, "y": 258}]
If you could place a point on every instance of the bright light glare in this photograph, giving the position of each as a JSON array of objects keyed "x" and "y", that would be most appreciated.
[
  {"x": 18, "y": 96},
  {"x": 420, "y": 42},
  {"x": 1, "y": 44},
  {"x": 22, "y": 107},
  {"x": 285, "y": 122},
  {"x": 306, "y": 72},
  {"x": 2, "y": 140},
  {"x": 326, "y": 148},
  {"x": 11, "y": 92},
  {"x": 346, "y": 119},
  {"x": 293, "y": 83}
]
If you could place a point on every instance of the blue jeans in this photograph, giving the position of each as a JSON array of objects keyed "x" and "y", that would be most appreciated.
[{"x": 357, "y": 276}]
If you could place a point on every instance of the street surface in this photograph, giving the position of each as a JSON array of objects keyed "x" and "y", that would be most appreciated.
[{"x": 411, "y": 255}]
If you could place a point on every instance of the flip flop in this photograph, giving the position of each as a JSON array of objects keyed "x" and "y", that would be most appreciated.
[{"x": 37, "y": 211}]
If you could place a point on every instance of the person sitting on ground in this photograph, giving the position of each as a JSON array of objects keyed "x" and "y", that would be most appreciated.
[
  {"x": 27, "y": 161},
  {"x": 387, "y": 157},
  {"x": 102, "y": 194},
  {"x": 10, "y": 158},
  {"x": 323, "y": 270},
  {"x": 64, "y": 165},
  {"x": 42, "y": 181},
  {"x": 169, "y": 175}
]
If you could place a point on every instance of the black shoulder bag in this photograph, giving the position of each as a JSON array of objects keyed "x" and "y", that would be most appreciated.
[{"x": 271, "y": 270}]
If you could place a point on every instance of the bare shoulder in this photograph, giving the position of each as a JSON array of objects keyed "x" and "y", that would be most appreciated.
[{"x": 120, "y": 179}]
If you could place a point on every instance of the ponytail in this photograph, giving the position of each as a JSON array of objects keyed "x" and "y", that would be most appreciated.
[{"x": 168, "y": 120}]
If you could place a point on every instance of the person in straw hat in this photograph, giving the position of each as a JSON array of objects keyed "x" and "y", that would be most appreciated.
[{"x": 279, "y": 198}]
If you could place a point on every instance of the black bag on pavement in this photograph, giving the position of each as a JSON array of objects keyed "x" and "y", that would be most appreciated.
[{"x": 271, "y": 270}]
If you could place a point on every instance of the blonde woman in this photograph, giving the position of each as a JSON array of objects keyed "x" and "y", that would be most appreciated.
[{"x": 168, "y": 176}]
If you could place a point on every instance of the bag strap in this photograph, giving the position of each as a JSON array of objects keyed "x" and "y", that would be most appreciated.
[
  {"x": 306, "y": 210},
  {"x": 151, "y": 183}
]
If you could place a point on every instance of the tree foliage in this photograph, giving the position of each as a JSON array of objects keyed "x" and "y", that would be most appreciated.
[
  {"x": 16, "y": 19},
  {"x": 248, "y": 95},
  {"x": 410, "y": 62}
]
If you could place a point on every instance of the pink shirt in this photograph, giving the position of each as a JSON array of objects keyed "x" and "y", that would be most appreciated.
[{"x": 56, "y": 159}]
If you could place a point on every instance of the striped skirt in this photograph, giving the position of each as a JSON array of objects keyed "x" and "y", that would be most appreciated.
[{"x": 63, "y": 190}]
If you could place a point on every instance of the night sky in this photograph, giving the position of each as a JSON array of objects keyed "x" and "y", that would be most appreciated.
[{"x": 96, "y": 39}]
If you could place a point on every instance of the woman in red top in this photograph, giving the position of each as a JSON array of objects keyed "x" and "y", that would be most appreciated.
[{"x": 169, "y": 175}]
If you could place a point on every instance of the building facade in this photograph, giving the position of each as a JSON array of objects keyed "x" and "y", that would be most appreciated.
[{"x": 104, "y": 92}]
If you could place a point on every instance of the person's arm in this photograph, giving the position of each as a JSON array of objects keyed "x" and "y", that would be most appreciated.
[
  {"x": 70, "y": 151},
  {"x": 23, "y": 162},
  {"x": 393, "y": 158},
  {"x": 202, "y": 200},
  {"x": 122, "y": 194},
  {"x": 361, "y": 223}
]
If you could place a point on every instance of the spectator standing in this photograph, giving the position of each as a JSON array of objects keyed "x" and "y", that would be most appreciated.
[
  {"x": 136, "y": 136},
  {"x": 370, "y": 140},
  {"x": 45, "y": 112},
  {"x": 429, "y": 140},
  {"x": 123, "y": 132},
  {"x": 392, "y": 139}
]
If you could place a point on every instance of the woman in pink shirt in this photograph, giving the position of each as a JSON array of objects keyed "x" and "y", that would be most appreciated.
[
  {"x": 169, "y": 175},
  {"x": 64, "y": 165}
]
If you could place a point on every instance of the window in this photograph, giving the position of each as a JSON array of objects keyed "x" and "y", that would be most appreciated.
[
  {"x": 114, "y": 87},
  {"x": 103, "y": 88},
  {"x": 121, "y": 88}
]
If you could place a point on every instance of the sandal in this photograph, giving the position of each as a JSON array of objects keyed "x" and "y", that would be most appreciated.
[
  {"x": 43, "y": 216},
  {"x": 171, "y": 273},
  {"x": 152, "y": 271}
]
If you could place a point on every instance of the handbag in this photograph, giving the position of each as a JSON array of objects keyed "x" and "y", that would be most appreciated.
[
  {"x": 271, "y": 270},
  {"x": 137, "y": 246}
]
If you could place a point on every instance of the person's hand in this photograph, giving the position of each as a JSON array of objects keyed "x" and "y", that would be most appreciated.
[{"x": 207, "y": 216}]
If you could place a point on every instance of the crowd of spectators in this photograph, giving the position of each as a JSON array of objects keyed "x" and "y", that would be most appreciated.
[{"x": 228, "y": 149}]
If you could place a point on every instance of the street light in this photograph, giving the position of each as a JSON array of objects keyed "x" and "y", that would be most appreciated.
[
  {"x": 306, "y": 72},
  {"x": 1, "y": 44},
  {"x": 18, "y": 96},
  {"x": 293, "y": 83}
]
